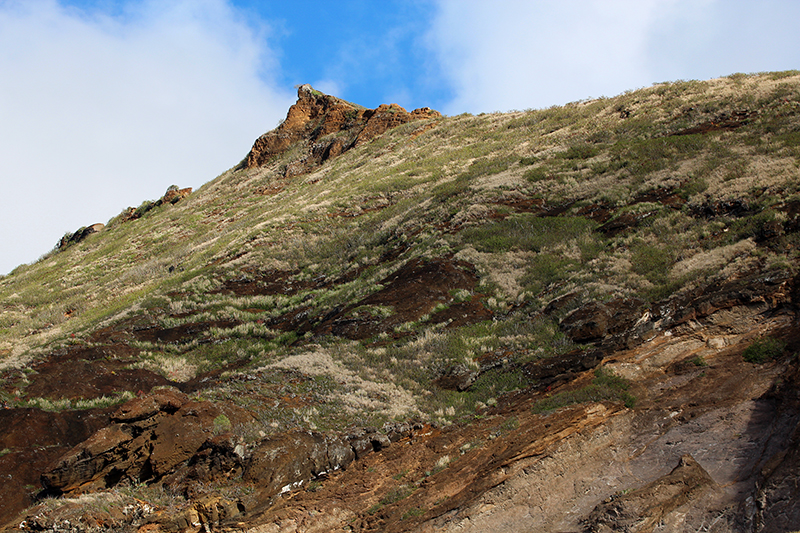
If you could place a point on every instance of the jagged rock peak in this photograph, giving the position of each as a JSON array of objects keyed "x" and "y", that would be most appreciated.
[{"x": 316, "y": 115}]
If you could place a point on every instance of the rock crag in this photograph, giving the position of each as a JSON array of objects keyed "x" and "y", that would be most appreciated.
[{"x": 326, "y": 127}]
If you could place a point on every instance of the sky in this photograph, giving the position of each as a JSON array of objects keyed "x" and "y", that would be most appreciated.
[{"x": 106, "y": 103}]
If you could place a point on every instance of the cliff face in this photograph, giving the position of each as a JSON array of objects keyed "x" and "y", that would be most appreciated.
[{"x": 580, "y": 319}]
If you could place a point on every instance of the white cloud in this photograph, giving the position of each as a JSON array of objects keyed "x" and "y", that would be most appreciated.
[
  {"x": 98, "y": 112},
  {"x": 519, "y": 54}
]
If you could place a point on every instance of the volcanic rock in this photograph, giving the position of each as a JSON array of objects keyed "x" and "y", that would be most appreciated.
[
  {"x": 329, "y": 127},
  {"x": 78, "y": 236},
  {"x": 150, "y": 438},
  {"x": 610, "y": 323},
  {"x": 642, "y": 509}
]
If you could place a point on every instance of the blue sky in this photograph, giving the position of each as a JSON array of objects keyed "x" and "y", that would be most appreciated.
[{"x": 105, "y": 103}]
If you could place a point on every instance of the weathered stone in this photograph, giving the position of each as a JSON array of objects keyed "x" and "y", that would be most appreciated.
[
  {"x": 78, "y": 236},
  {"x": 145, "y": 407},
  {"x": 314, "y": 117},
  {"x": 174, "y": 195},
  {"x": 614, "y": 323},
  {"x": 545, "y": 370},
  {"x": 642, "y": 509},
  {"x": 160, "y": 433},
  {"x": 457, "y": 377},
  {"x": 292, "y": 458}
]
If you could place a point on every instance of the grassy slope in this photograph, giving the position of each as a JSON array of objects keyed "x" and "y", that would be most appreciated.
[{"x": 439, "y": 193}]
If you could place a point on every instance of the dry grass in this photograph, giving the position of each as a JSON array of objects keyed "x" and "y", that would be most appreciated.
[
  {"x": 427, "y": 196},
  {"x": 357, "y": 394}
]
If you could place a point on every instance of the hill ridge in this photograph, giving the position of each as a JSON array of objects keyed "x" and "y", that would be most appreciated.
[{"x": 392, "y": 321}]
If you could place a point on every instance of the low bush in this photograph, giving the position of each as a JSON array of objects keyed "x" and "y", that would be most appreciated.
[{"x": 763, "y": 350}]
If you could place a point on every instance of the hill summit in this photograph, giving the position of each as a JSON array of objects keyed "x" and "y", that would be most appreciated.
[
  {"x": 326, "y": 127},
  {"x": 582, "y": 318}
]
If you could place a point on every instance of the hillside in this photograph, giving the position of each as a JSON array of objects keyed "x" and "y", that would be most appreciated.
[{"x": 582, "y": 318}]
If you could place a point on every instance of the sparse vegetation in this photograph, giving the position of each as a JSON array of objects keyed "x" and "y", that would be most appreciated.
[
  {"x": 279, "y": 293},
  {"x": 606, "y": 386},
  {"x": 763, "y": 350}
]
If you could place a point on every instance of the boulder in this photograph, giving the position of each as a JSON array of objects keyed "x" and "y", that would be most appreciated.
[
  {"x": 615, "y": 323},
  {"x": 279, "y": 463},
  {"x": 174, "y": 195}
]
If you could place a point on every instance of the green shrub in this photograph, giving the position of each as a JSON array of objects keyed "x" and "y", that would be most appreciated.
[
  {"x": 222, "y": 424},
  {"x": 692, "y": 187},
  {"x": 545, "y": 269},
  {"x": 764, "y": 349},
  {"x": 644, "y": 156},
  {"x": 487, "y": 166},
  {"x": 698, "y": 360},
  {"x": 536, "y": 174},
  {"x": 400, "y": 493},
  {"x": 411, "y": 513},
  {"x": 653, "y": 262}
]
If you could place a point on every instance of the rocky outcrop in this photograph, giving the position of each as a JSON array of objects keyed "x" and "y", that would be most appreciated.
[
  {"x": 74, "y": 238},
  {"x": 625, "y": 322},
  {"x": 173, "y": 195},
  {"x": 612, "y": 321},
  {"x": 641, "y": 510},
  {"x": 148, "y": 438},
  {"x": 91, "y": 513},
  {"x": 32, "y": 439},
  {"x": 183, "y": 443},
  {"x": 327, "y": 127}
]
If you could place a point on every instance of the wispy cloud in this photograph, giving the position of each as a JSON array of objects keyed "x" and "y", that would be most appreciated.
[
  {"x": 99, "y": 110},
  {"x": 517, "y": 54}
]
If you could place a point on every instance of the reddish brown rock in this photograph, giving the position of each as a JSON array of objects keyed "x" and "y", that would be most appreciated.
[
  {"x": 166, "y": 400},
  {"x": 150, "y": 438},
  {"x": 312, "y": 120},
  {"x": 612, "y": 322},
  {"x": 285, "y": 460},
  {"x": 78, "y": 236},
  {"x": 174, "y": 195},
  {"x": 32, "y": 439}
]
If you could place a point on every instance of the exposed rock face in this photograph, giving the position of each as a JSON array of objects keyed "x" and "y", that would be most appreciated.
[
  {"x": 623, "y": 323},
  {"x": 329, "y": 127},
  {"x": 149, "y": 437},
  {"x": 78, "y": 236},
  {"x": 167, "y": 436},
  {"x": 31, "y": 439},
  {"x": 549, "y": 446},
  {"x": 642, "y": 509},
  {"x": 172, "y": 196},
  {"x": 609, "y": 323}
]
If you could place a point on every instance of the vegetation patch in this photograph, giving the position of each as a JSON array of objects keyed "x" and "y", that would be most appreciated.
[
  {"x": 606, "y": 386},
  {"x": 527, "y": 232},
  {"x": 763, "y": 350}
]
